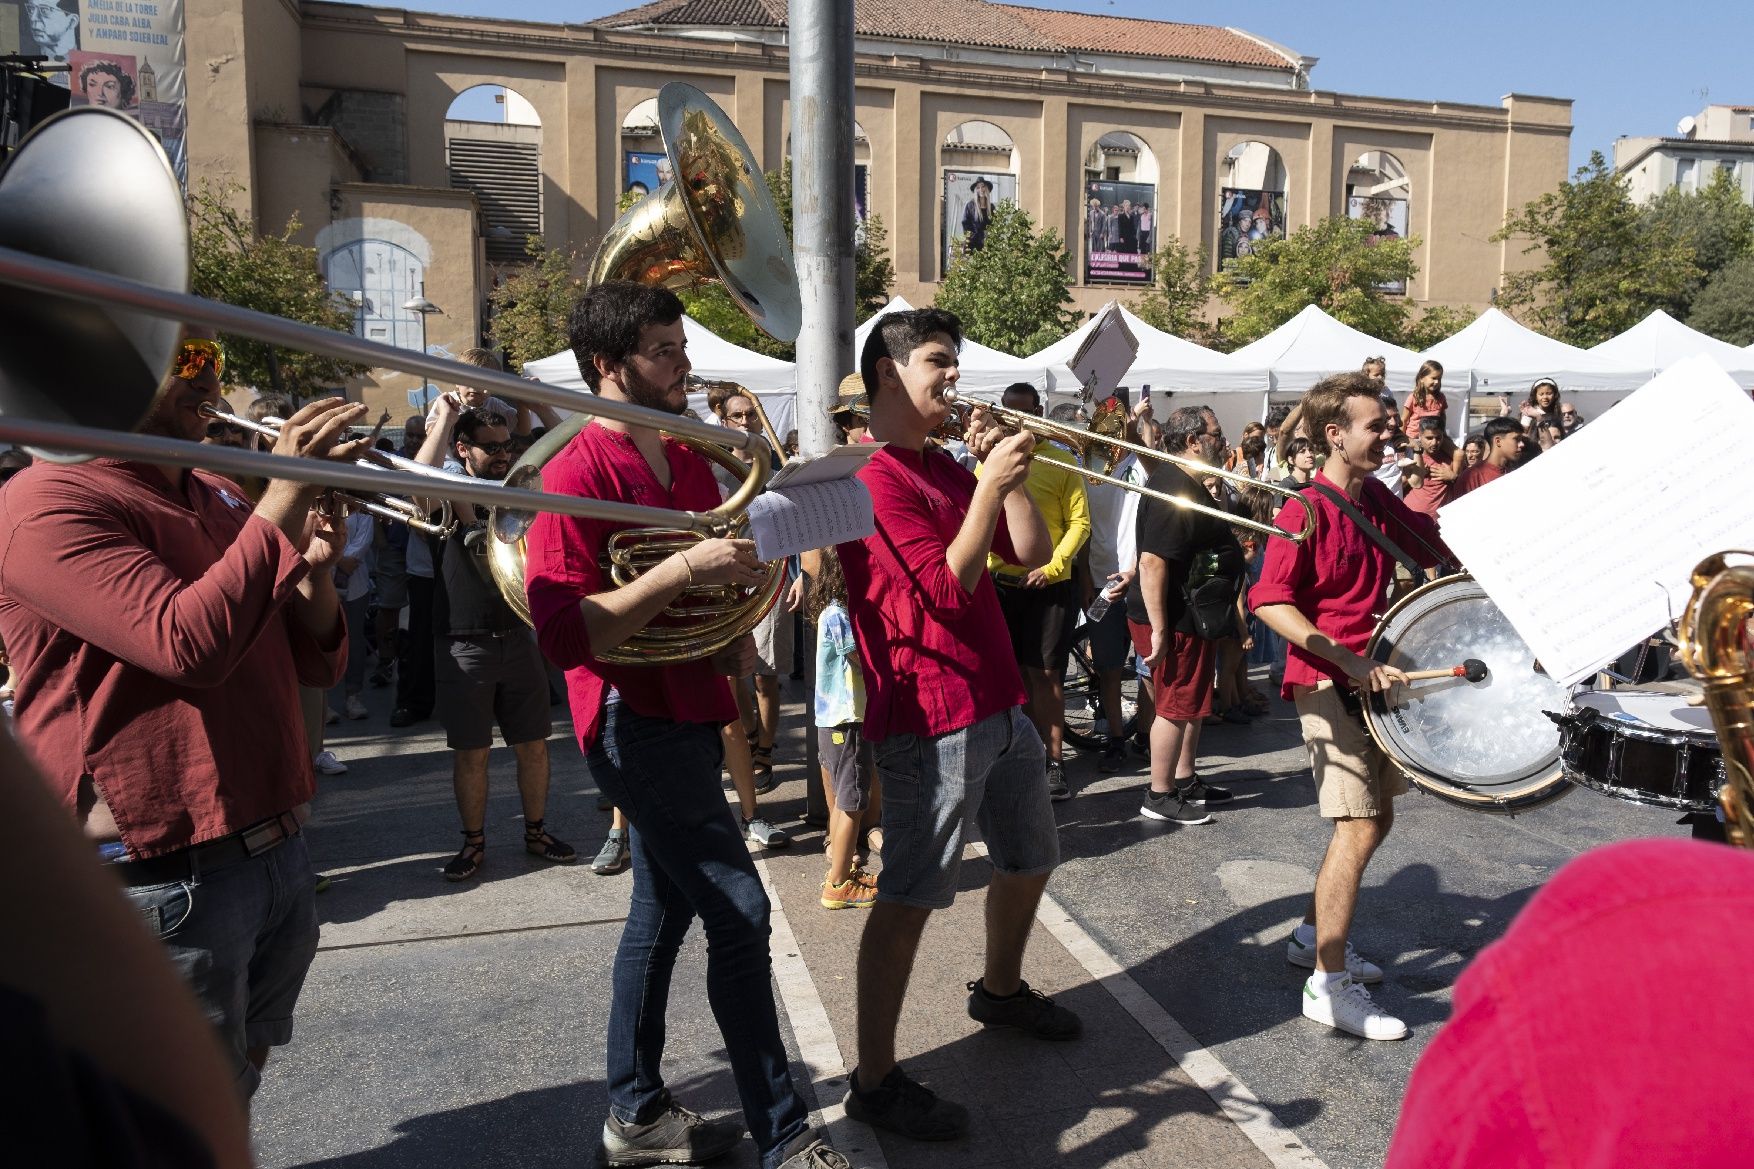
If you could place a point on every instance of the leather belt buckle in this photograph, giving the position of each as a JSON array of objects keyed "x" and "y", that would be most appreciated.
[{"x": 259, "y": 838}]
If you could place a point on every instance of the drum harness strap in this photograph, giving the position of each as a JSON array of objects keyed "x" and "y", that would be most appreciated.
[{"x": 1376, "y": 534}]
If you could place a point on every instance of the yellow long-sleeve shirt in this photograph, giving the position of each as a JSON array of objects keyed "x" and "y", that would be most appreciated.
[{"x": 1058, "y": 490}]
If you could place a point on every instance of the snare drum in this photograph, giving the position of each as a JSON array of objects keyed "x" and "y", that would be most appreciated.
[{"x": 1646, "y": 746}]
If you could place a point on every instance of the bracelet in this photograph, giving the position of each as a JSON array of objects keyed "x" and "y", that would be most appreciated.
[{"x": 690, "y": 569}]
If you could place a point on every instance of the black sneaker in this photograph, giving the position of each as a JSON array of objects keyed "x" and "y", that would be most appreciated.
[
  {"x": 1172, "y": 808},
  {"x": 905, "y": 1107},
  {"x": 1198, "y": 793},
  {"x": 1113, "y": 757},
  {"x": 1058, "y": 789},
  {"x": 678, "y": 1137},
  {"x": 1028, "y": 1010}
]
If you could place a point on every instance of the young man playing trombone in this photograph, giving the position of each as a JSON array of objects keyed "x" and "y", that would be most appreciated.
[
  {"x": 944, "y": 708},
  {"x": 651, "y": 736}
]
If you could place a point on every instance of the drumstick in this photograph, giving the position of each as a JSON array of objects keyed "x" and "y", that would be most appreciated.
[{"x": 1474, "y": 670}]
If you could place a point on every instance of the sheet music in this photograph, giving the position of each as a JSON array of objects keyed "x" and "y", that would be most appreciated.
[
  {"x": 843, "y": 462},
  {"x": 800, "y": 517},
  {"x": 1588, "y": 549},
  {"x": 1106, "y": 355}
]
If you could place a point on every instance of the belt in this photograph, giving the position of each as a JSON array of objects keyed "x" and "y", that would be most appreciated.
[{"x": 186, "y": 864}]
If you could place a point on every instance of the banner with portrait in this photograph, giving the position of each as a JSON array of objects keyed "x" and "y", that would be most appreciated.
[
  {"x": 1389, "y": 220},
  {"x": 644, "y": 171},
  {"x": 969, "y": 199},
  {"x": 123, "y": 54},
  {"x": 1246, "y": 219},
  {"x": 1120, "y": 232}
]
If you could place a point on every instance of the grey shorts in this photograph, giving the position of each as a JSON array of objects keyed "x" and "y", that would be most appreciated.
[
  {"x": 242, "y": 937},
  {"x": 993, "y": 774},
  {"x": 392, "y": 589},
  {"x": 773, "y": 642},
  {"x": 846, "y": 758},
  {"x": 487, "y": 679}
]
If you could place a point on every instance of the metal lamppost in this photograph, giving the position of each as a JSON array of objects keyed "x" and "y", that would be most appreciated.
[{"x": 419, "y": 304}]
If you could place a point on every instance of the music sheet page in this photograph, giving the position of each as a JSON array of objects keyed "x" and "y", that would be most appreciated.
[
  {"x": 1589, "y": 548},
  {"x": 794, "y": 519}
]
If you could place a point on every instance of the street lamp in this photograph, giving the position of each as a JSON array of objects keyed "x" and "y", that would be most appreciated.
[{"x": 419, "y": 304}]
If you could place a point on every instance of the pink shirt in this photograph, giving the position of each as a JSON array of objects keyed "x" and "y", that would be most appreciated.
[
  {"x": 1555, "y": 1057},
  {"x": 154, "y": 648},
  {"x": 562, "y": 566},
  {"x": 1338, "y": 578},
  {"x": 1432, "y": 493},
  {"x": 936, "y": 658},
  {"x": 1435, "y": 404}
]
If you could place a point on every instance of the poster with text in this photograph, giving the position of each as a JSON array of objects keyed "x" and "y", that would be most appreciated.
[
  {"x": 1245, "y": 220},
  {"x": 1120, "y": 225},
  {"x": 969, "y": 199},
  {"x": 123, "y": 54},
  {"x": 1389, "y": 220},
  {"x": 645, "y": 171}
]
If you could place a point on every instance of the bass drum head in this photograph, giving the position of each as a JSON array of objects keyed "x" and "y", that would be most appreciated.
[{"x": 1484, "y": 745}]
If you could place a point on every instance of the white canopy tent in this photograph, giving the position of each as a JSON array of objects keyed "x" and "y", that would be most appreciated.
[
  {"x": 715, "y": 359},
  {"x": 983, "y": 371},
  {"x": 1312, "y": 345},
  {"x": 1659, "y": 341},
  {"x": 1495, "y": 354}
]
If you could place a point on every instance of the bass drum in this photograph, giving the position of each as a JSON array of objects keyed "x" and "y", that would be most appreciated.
[{"x": 1490, "y": 745}]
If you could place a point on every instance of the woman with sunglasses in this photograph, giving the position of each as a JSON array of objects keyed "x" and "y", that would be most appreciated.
[{"x": 160, "y": 625}]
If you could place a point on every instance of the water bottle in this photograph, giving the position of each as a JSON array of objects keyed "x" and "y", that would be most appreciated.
[{"x": 1108, "y": 596}]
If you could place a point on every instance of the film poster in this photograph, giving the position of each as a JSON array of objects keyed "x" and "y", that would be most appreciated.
[
  {"x": 969, "y": 199},
  {"x": 1245, "y": 220},
  {"x": 644, "y": 171},
  {"x": 1389, "y": 220},
  {"x": 1119, "y": 232}
]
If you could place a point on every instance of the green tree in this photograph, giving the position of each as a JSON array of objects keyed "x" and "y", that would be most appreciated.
[
  {"x": 1332, "y": 263},
  {"x": 1176, "y": 301},
  {"x": 1013, "y": 294},
  {"x": 1436, "y": 323},
  {"x": 1603, "y": 265},
  {"x": 1714, "y": 223},
  {"x": 236, "y": 264},
  {"x": 531, "y": 303},
  {"x": 1724, "y": 308}
]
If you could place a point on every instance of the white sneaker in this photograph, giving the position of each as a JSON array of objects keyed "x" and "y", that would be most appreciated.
[
  {"x": 356, "y": 707},
  {"x": 1361, "y": 969},
  {"x": 1349, "y": 1007},
  {"x": 326, "y": 764}
]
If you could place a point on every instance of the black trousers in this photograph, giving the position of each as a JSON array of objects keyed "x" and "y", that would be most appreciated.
[{"x": 414, "y": 685}]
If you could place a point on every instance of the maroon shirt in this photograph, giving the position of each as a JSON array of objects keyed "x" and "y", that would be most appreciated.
[
  {"x": 562, "y": 566},
  {"x": 154, "y": 648},
  {"x": 1338, "y": 577},
  {"x": 1478, "y": 475},
  {"x": 936, "y": 657}
]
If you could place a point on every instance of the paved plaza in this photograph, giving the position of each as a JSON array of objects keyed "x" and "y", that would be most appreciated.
[{"x": 450, "y": 1027}]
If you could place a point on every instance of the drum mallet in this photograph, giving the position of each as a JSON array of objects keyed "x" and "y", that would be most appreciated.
[{"x": 1474, "y": 670}]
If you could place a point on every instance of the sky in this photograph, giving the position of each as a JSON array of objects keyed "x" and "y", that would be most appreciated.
[{"x": 1629, "y": 67}]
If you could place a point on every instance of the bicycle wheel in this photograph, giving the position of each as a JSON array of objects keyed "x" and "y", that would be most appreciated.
[{"x": 1086, "y": 728}]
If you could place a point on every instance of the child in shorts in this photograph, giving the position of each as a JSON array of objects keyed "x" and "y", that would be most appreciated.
[{"x": 847, "y": 765}]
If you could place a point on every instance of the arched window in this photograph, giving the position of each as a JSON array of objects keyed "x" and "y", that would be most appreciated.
[
  {"x": 1120, "y": 210},
  {"x": 493, "y": 148},
  {"x": 1377, "y": 190},
  {"x": 378, "y": 277},
  {"x": 979, "y": 171},
  {"x": 644, "y": 166},
  {"x": 1251, "y": 200}
]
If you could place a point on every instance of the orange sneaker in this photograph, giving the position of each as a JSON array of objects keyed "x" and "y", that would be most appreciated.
[{"x": 858, "y": 891}]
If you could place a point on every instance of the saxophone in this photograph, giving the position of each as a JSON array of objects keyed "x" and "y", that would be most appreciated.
[{"x": 1717, "y": 646}]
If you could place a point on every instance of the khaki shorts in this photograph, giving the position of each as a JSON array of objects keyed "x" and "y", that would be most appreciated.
[{"x": 1353, "y": 778}]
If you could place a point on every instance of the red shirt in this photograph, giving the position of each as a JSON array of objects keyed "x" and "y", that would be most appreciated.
[
  {"x": 1338, "y": 577},
  {"x": 562, "y": 566},
  {"x": 936, "y": 657},
  {"x": 1606, "y": 1028},
  {"x": 1432, "y": 492},
  {"x": 154, "y": 650},
  {"x": 1478, "y": 475}
]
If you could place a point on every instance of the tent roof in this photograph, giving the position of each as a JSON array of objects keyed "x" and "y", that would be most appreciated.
[
  {"x": 1497, "y": 353},
  {"x": 982, "y": 369},
  {"x": 1165, "y": 362},
  {"x": 1312, "y": 345},
  {"x": 713, "y": 357},
  {"x": 1659, "y": 341}
]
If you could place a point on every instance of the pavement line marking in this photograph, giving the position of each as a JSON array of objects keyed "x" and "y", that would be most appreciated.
[
  {"x": 512, "y": 929},
  {"x": 1280, "y": 1145},
  {"x": 817, "y": 1047}
]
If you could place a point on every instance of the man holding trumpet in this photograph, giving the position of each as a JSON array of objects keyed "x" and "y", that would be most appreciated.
[
  {"x": 651, "y": 735},
  {"x": 161, "y": 626}
]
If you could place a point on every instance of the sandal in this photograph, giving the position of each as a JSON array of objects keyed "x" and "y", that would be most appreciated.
[
  {"x": 468, "y": 862},
  {"x": 761, "y": 764},
  {"x": 541, "y": 843}
]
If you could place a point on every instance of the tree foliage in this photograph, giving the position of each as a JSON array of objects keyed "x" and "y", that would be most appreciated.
[
  {"x": 531, "y": 303},
  {"x": 1332, "y": 263},
  {"x": 1725, "y": 307},
  {"x": 236, "y": 264},
  {"x": 1176, "y": 301},
  {"x": 1715, "y": 223},
  {"x": 1013, "y": 294},
  {"x": 1604, "y": 264},
  {"x": 1437, "y": 323}
]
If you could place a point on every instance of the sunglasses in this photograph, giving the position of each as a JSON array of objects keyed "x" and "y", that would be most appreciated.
[
  {"x": 195, "y": 356},
  {"x": 492, "y": 448}
]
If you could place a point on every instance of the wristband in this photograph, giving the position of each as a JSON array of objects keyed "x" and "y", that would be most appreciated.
[{"x": 689, "y": 568}]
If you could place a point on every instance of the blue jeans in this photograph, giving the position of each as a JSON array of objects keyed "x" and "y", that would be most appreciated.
[{"x": 689, "y": 860}]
